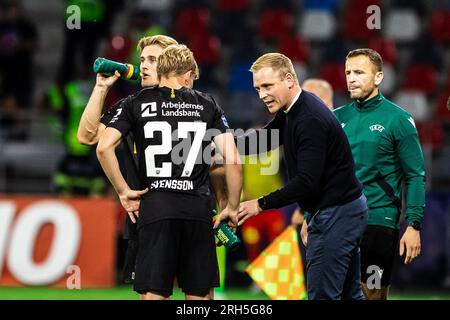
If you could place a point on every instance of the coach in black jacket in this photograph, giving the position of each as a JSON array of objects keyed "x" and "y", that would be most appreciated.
[{"x": 321, "y": 180}]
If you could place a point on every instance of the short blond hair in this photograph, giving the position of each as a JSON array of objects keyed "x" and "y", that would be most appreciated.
[
  {"x": 159, "y": 40},
  {"x": 176, "y": 59},
  {"x": 278, "y": 62}
]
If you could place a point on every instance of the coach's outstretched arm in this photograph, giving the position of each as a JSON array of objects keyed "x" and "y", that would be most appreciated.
[
  {"x": 90, "y": 127},
  {"x": 233, "y": 176},
  {"x": 106, "y": 155}
]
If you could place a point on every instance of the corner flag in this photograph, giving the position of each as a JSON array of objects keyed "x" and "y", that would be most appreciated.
[{"x": 278, "y": 270}]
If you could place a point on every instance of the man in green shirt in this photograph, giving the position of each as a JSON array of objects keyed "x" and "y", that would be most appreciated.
[{"x": 387, "y": 154}]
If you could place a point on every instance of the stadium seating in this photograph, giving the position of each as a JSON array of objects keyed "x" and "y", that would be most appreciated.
[
  {"x": 439, "y": 26},
  {"x": 335, "y": 50},
  {"x": 389, "y": 82},
  {"x": 402, "y": 25},
  {"x": 296, "y": 48},
  {"x": 355, "y": 22},
  {"x": 421, "y": 77},
  {"x": 301, "y": 70},
  {"x": 317, "y": 25},
  {"x": 232, "y": 5},
  {"x": 323, "y": 5},
  {"x": 441, "y": 106},
  {"x": 419, "y": 6},
  {"x": 334, "y": 73},
  {"x": 414, "y": 102},
  {"x": 192, "y": 21},
  {"x": 274, "y": 24},
  {"x": 118, "y": 48},
  {"x": 240, "y": 79},
  {"x": 431, "y": 133},
  {"x": 427, "y": 52},
  {"x": 386, "y": 47},
  {"x": 206, "y": 48}
]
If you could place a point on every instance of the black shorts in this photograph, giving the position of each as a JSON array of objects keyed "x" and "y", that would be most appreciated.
[
  {"x": 130, "y": 234},
  {"x": 184, "y": 249},
  {"x": 379, "y": 246}
]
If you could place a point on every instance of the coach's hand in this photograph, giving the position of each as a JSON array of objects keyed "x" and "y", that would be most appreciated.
[
  {"x": 410, "y": 241},
  {"x": 247, "y": 210},
  {"x": 131, "y": 200},
  {"x": 297, "y": 218},
  {"x": 304, "y": 233},
  {"x": 230, "y": 214},
  {"x": 106, "y": 81}
]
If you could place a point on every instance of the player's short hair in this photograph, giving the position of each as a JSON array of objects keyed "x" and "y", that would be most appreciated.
[
  {"x": 176, "y": 59},
  {"x": 373, "y": 56},
  {"x": 159, "y": 40},
  {"x": 278, "y": 62}
]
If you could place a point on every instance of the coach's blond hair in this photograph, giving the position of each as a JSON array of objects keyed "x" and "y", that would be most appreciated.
[
  {"x": 176, "y": 60},
  {"x": 159, "y": 40},
  {"x": 278, "y": 62}
]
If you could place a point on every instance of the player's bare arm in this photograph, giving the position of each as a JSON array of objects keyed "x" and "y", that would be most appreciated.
[
  {"x": 218, "y": 182},
  {"x": 233, "y": 176},
  {"x": 90, "y": 128},
  {"x": 130, "y": 199}
]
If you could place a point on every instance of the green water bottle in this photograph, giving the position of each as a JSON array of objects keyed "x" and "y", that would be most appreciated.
[
  {"x": 126, "y": 70},
  {"x": 225, "y": 234}
]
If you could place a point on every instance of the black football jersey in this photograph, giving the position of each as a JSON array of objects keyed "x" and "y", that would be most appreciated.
[
  {"x": 172, "y": 130},
  {"x": 125, "y": 151}
]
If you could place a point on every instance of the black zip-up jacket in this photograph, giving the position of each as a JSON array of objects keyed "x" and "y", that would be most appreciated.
[{"x": 319, "y": 161}]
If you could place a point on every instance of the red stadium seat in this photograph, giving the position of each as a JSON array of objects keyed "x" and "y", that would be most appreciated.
[
  {"x": 206, "y": 48},
  {"x": 334, "y": 73},
  {"x": 431, "y": 133},
  {"x": 441, "y": 106},
  {"x": 296, "y": 48},
  {"x": 358, "y": 4},
  {"x": 439, "y": 26},
  {"x": 191, "y": 21},
  {"x": 386, "y": 48},
  {"x": 447, "y": 85},
  {"x": 354, "y": 26},
  {"x": 274, "y": 24},
  {"x": 233, "y": 5},
  {"x": 420, "y": 77}
]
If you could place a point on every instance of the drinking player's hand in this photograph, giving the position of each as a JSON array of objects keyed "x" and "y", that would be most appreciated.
[{"x": 106, "y": 81}]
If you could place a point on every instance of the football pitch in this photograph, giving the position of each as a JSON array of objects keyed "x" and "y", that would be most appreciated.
[{"x": 126, "y": 293}]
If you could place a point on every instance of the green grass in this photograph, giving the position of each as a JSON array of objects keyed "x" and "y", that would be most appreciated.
[
  {"x": 126, "y": 293},
  {"x": 118, "y": 293}
]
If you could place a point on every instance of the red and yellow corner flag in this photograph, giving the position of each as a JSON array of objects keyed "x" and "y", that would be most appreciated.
[{"x": 278, "y": 270}]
